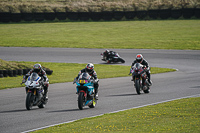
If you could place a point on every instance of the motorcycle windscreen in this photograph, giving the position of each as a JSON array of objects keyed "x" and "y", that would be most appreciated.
[
  {"x": 84, "y": 78},
  {"x": 34, "y": 77},
  {"x": 137, "y": 66}
]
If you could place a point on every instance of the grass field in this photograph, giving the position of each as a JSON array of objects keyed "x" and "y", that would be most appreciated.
[
  {"x": 170, "y": 34},
  {"x": 179, "y": 116}
]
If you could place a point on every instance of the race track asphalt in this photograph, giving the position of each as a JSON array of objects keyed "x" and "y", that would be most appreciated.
[{"x": 114, "y": 93}]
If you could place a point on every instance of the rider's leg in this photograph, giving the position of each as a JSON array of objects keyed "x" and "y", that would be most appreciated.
[
  {"x": 96, "y": 87},
  {"x": 149, "y": 77},
  {"x": 46, "y": 87}
]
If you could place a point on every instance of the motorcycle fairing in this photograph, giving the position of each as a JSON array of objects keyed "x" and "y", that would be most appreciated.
[
  {"x": 89, "y": 86},
  {"x": 84, "y": 84},
  {"x": 33, "y": 81},
  {"x": 85, "y": 94}
]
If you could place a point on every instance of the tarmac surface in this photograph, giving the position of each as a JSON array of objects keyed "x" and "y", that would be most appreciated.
[{"x": 115, "y": 94}]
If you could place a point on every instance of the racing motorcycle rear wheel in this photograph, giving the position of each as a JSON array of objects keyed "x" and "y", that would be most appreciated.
[
  {"x": 94, "y": 102},
  {"x": 41, "y": 105},
  {"x": 122, "y": 60},
  {"x": 147, "y": 90}
]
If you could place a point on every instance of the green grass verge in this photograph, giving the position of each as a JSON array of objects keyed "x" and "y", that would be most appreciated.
[
  {"x": 10, "y": 65},
  {"x": 168, "y": 34},
  {"x": 66, "y": 72},
  {"x": 176, "y": 116}
]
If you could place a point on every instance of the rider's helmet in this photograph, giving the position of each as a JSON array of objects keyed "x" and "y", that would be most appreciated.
[
  {"x": 139, "y": 58},
  {"x": 89, "y": 68},
  {"x": 107, "y": 51},
  {"x": 37, "y": 68}
]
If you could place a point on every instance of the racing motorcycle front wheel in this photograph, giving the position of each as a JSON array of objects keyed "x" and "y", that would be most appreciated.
[
  {"x": 29, "y": 101},
  {"x": 81, "y": 101},
  {"x": 137, "y": 86}
]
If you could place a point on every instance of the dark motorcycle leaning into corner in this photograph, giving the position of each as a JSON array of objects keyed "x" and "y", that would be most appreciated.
[
  {"x": 35, "y": 91},
  {"x": 140, "y": 78},
  {"x": 111, "y": 57}
]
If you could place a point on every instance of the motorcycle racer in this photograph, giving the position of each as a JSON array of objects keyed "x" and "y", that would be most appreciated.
[
  {"x": 90, "y": 70},
  {"x": 111, "y": 57},
  {"x": 37, "y": 68},
  {"x": 141, "y": 60},
  {"x": 107, "y": 54}
]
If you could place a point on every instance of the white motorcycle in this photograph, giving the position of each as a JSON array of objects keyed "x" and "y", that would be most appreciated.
[{"x": 35, "y": 91}]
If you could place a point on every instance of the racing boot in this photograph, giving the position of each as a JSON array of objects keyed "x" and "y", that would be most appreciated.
[
  {"x": 149, "y": 78},
  {"x": 150, "y": 82},
  {"x": 45, "y": 97},
  {"x": 96, "y": 94},
  {"x": 132, "y": 79}
]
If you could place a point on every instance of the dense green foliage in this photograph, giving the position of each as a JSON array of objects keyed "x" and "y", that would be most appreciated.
[{"x": 16, "y": 6}]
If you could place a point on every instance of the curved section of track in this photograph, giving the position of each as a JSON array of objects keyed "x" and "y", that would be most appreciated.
[{"x": 114, "y": 94}]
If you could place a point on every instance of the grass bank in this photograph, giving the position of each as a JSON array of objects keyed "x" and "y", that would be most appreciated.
[
  {"x": 66, "y": 72},
  {"x": 169, "y": 34},
  {"x": 176, "y": 116}
]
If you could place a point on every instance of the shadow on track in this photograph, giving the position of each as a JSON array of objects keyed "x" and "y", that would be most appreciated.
[
  {"x": 121, "y": 95},
  {"x": 13, "y": 111},
  {"x": 195, "y": 87},
  {"x": 114, "y": 63},
  {"x": 68, "y": 110}
]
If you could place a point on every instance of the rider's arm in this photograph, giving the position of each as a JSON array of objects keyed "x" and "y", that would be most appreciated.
[
  {"x": 44, "y": 76},
  {"x": 133, "y": 63},
  {"x": 76, "y": 78},
  {"x": 81, "y": 71},
  {"x": 146, "y": 64},
  {"x": 28, "y": 74},
  {"x": 131, "y": 69},
  {"x": 94, "y": 75}
]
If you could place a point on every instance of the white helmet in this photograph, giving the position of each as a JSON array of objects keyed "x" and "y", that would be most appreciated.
[
  {"x": 89, "y": 67},
  {"x": 139, "y": 58}
]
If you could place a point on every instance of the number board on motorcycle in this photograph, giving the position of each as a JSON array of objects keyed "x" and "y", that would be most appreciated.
[{"x": 82, "y": 81}]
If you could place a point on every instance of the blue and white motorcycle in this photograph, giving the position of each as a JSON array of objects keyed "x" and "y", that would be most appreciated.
[
  {"x": 86, "y": 91},
  {"x": 35, "y": 91}
]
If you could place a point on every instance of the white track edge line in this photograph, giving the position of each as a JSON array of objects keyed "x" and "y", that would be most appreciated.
[{"x": 197, "y": 95}]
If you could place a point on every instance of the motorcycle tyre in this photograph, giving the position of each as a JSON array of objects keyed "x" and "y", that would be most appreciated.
[
  {"x": 29, "y": 101},
  {"x": 137, "y": 86},
  {"x": 121, "y": 60},
  {"x": 94, "y": 102},
  {"x": 108, "y": 61},
  {"x": 41, "y": 105},
  {"x": 147, "y": 91},
  {"x": 81, "y": 100}
]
